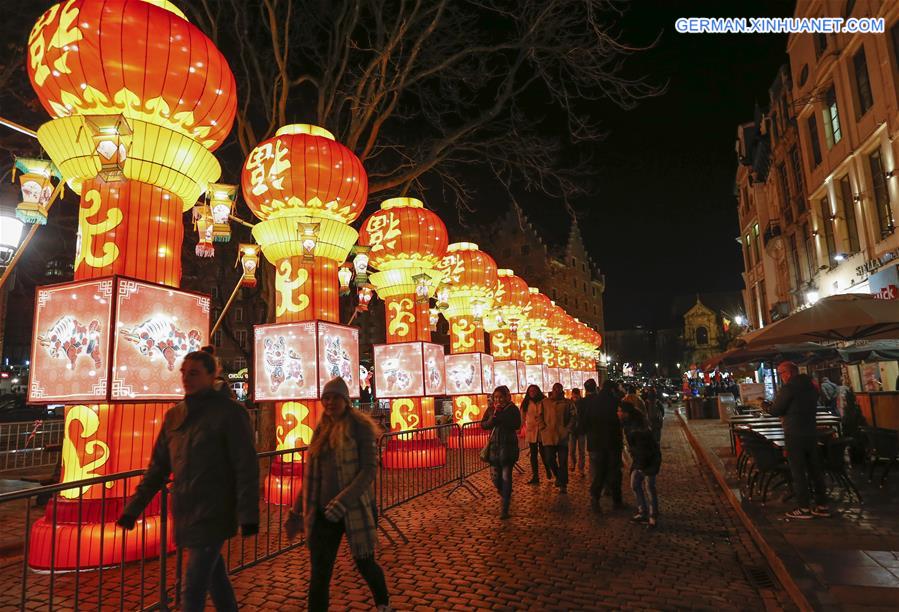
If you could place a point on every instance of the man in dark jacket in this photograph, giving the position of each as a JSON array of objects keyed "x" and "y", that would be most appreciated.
[
  {"x": 796, "y": 403},
  {"x": 206, "y": 443},
  {"x": 604, "y": 441}
]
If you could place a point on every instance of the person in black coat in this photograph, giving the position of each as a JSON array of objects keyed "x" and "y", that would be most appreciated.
[
  {"x": 646, "y": 459},
  {"x": 504, "y": 420},
  {"x": 604, "y": 441},
  {"x": 797, "y": 404}
]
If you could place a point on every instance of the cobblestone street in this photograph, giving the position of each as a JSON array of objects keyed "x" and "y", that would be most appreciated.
[{"x": 553, "y": 554}]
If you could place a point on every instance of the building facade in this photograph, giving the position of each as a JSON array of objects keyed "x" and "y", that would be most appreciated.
[{"x": 817, "y": 187}]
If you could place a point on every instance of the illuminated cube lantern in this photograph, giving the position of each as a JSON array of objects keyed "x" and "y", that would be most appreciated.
[
  {"x": 113, "y": 338},
  {"x": 409, "y": 369},
  {"x": 511, "y": 373},
  {"x": 566, "y": 378},
  {"x": 294, "y": 361},
  {"x": 537, "y": 374},
  {"x": 552, "y": 377},
  {"x": 469, "y": 374}
]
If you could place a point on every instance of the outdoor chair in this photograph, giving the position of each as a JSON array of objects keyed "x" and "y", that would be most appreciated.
[
  {"x": 770, "y": 469},
  {"x": 835, "y": 465},
  {"x": 882, "y": 446}
]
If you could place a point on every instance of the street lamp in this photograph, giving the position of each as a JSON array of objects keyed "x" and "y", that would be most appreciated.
[
  {"x": 811, "y": 297},
  {"x": 740, "y": 320},
  {"x": 10, "y": 232}
]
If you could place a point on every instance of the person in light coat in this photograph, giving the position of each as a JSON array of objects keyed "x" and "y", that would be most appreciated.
[
  {"x": 554, "y": 415},
  {"x": 533, "y": 397}
]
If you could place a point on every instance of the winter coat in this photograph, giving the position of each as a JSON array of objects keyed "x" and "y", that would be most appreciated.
[
  {"x": 645, "y": 453},
  {"x": 529, "y": 414},
  {"x": 504, "y": 423},
  {"x": 601, "y": 422},
  {"x": 797, "y": 403},
  {"x": 553, "y": 418},
  {"x": 206, "y": 443}
]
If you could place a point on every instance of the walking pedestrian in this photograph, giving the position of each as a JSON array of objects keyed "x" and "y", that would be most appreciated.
[
  {"x": 796, "y": 404},
  {"x": 220, "y": 384},
  {"x": 338, "y": 496},
  {"x": 207, "y": 445},
  {"x": 577, "y": 445},
  {"x": 554, "y": 415},
  {"x": 503, "y": 420},
  {"x": 604, "y": 441},
  {"x": 646, "y": 459},
  {"x": 533, "y": 397}
]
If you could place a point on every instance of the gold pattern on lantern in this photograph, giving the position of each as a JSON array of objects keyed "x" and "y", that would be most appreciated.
[
  {"x": 403, "y": 416},
  {"x": 286, "y": 284},
  {"x": 463, "y": 335},
  {"x": 267, "y": 161},
  {"x": 294, "y": 432},
  {"x": 72, "y": 469},
  {"x": 88, "y": 231},
  {"x": 39, "y": 50},
  {"x": 466, "y": 410},
  {"x": 383, "y": 230},
  {"x": 401, "y": 317},
  {"x": 500, "y": 344}
]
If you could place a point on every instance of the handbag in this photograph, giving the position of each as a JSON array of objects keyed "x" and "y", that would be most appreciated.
[{"x": 485, "y": 452}]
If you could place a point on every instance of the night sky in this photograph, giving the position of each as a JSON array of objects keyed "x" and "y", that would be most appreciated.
[{"x": 664, "y": 221}]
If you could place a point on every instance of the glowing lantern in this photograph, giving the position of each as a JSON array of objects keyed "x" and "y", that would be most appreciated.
[
  {"x": 365, "y": 294},
  {"x": 306, "y": 188},
  {"x": 511, "y": 305},
  {"x": 140, "y": 97},
  {"x": 204, "y": 225},
  {"x": 471, "y": 279},
  {"x": 249, "y": 261},
  {"x": 37, "y": 188},
  {"x": 534, "y": 324},
  {"x": 405, "y": 242},
  {"x": 221, "y": 204},
  {"x": 344, "y": 276}
]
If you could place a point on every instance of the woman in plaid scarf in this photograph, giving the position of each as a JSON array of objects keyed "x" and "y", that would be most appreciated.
[{"x": 337, "y": 496}]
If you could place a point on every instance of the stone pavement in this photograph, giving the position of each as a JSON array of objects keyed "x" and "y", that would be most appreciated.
[
  {"x": 553, "y": 554},
  {"x": 850, "y": 560}
]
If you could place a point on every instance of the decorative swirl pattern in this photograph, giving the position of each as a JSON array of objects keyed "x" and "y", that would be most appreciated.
[
  {"x": 88, "y": 231},
  {"x": 294, "y": 432},
  {"x": 72, "y": 469},
  {"x": 286, "y": 284},
  {"x": 402, "y": 315}
]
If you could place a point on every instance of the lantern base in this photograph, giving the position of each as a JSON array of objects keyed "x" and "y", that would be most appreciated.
[
  {"x": 71, "y": 547},
  {"x": 473, "y": 437},
  {"x": 411, "y": 454},
  {"x": 282, "y": 489},
  {"x": 31, "y": 213}
]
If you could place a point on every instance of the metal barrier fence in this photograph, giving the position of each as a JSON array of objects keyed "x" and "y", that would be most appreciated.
[
  {"x": 30, "y": 444},
  {"x": 149, "y": 580}
]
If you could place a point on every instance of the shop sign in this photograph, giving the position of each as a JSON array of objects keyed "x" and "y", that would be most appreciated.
[
  {"x": 884, "y": 285},
  {"x": 872, "y": 265}
]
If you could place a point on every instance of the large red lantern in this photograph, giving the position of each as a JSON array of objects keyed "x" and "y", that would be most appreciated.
[
  {"x": 471, "y": 281},
  {"x": 306, "y": 188},
  {"x": 139, "y": 98},
  {"x": 406, "y": 242}
]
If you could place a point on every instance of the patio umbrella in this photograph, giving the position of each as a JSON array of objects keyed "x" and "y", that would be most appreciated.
[
  {"x": 798, "y": 352},
  {"x": 876, "y": 350},
  {"x": 847, "y": 317}
]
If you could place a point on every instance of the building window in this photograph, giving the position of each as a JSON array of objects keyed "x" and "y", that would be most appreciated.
[
  {"x": 241, "y": 336},
  {"x": 849, "y": 214},
  {"x": 810, "y": 258},
  {"x": 820, "y": 44},
  {"x": 881, "y": 197},
  {"x": 763, "y": 303},
  {"x": 217, "y": 338},
  {"x": 215, "y": 292},
  {"x": 813, "y": 139},
  {"x": 238, "y": 314},
  {"x": 525, "y": 249},
  {"x": 755, "y": 242},
  {"x": 747, "y": 252},
  {"x": 832, "y": 118},
  {"x": 796, "y": 162},
  {"x": 786, "y": 204},
  {"x": 827, "y": 222},
  {"x": 702, "y": 336},
  {"x": 795, "y": 269},
  {"x": 239, "y": 363},
  {"x": 865, "y": 98}
]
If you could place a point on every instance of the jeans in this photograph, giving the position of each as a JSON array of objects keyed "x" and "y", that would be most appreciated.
[
  {"x": 502, "y": 480},
  {"x": 805, "y": 462},
  {"x": 557, "y": 458},
  {"x": 206, "y": 572},
  {"x": 638, "y": 478},
  {"x": 537, "y": 449},
  {"x": 324, "y": 541},
  {"x": 605, "y": 472},
  {"x": 577, "y": 447}
]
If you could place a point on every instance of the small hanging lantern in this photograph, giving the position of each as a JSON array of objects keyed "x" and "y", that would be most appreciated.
[
  {"x": 221, "y": 202},
  {"x": 443, "y": 294},
  {"x": 112, "y": 141},
  {"x": 248, "y": 256},
  {"x": 204, "y": 225},
  {"x": 422, "y": 287},
  {"x": 344, "y": 276},
  {"x": 477, "y": 310},
  {"x": 365, "y": 293},
  {"x": 37, "y": 187},
  {"x": 360, "y": 263},
  {"x": 309, "y": 238}
]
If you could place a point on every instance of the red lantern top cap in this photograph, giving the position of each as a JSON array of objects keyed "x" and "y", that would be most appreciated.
[
  {"x": 165, "y": 4},
  {"x": 401, "y": 203},
  {"x": 505, "y": 272},
  {"x": 304, "y": 128},
  {"x": 461, "y": 246}
]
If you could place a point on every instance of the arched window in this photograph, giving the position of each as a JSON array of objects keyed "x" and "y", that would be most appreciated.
[{"x": 702, "y": 336}]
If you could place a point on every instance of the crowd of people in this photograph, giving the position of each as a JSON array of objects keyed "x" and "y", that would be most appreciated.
[{"x": 609, "y": 426}]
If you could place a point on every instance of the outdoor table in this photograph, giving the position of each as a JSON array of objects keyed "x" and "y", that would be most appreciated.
[{"x": 759, "y": 423}]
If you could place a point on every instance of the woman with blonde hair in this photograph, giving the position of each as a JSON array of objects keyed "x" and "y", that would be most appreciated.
[{"x": 338, "y": 496}]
